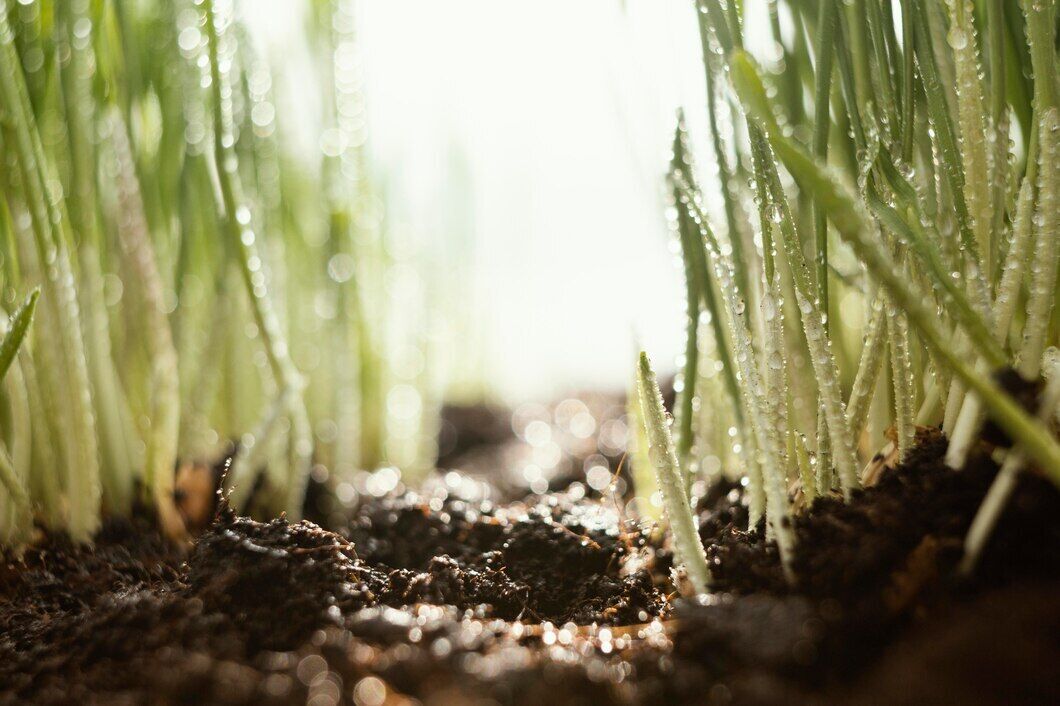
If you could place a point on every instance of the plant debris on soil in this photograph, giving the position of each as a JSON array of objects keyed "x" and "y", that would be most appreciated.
[{"x": 555, "y": 598}]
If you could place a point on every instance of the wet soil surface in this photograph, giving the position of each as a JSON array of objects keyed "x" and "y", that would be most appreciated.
[{"x": 552, "y": 599}]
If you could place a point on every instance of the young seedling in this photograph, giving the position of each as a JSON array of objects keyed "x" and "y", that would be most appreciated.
[
  {"x": 771, "y": 481},
  {"x": 687, "y": 545}
]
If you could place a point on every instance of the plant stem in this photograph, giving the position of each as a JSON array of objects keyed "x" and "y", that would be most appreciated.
[{"x": 868, "y": 368}]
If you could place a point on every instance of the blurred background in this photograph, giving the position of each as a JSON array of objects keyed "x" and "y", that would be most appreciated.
[{"x": 518, "y": 150}]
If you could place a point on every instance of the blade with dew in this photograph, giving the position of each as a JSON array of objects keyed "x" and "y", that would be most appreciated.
[
  {"x": 661, "y": 451},
  {"x": 773, "y": 480}
]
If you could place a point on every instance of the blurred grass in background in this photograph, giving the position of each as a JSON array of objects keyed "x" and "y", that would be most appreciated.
[{"x": 178, "y": 238}]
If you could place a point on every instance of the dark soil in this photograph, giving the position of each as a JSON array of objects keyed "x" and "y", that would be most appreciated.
[{"x": 553, "y": 600}]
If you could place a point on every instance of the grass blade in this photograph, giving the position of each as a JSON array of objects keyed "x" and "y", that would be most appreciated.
[
  {"x": 163, "y": 382},
  {"x": 826, "y": 31},
  {"x": 724, "y": 346},
  {"x": 949, "y": 154},
  {"x": 13, "y": 338},
  {"x": 687, "y": 235},
  {"x": 16, "y": 332},
  {"x": 772, "y": 478},
  {"x": 236, "y": 221},
  {"x": 661, "y": 451},
  {"x": 821, "y": 357},
  {"x": 1042, "y": 290},
  {"x": 964, "y": 41}
]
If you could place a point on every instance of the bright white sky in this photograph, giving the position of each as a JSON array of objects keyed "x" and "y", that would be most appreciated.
[{"x": 529, "y": 141}]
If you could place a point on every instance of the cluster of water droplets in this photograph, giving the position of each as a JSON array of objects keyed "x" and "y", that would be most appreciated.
[{"x": 195, "y": 77}]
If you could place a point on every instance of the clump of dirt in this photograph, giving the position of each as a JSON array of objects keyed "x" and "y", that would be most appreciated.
[
  {"x": 449, "y": 582},
  {"x": 406, "y": 532},
  {"x": 278, "y": 580},
  {"x": 548, "y": 559},
  {"x": 77, "y": 622}
]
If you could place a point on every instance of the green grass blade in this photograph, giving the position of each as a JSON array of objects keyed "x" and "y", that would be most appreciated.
[
  {"x": 16, "y": 331},
  {"x": 902, "y": 378},
  {"x": 644, "y": 483},
  {"x": 822, "y": 360},
  {"x": 661, "y": 451},
  {"x": 163, "y": 381},
  {"x": 734, "y": 218},
  {"x": 236, "y": 221},
  {"x": 971, "y": 109},
  {"x": 1023, "y": 239},
  {"x": 826, "y": 33},
  {"x": 707, "y": 284},
  {"x": 912, "y": 234},
  {"x": 1042, "y": 289},
  {"x": 12, "y": 341},
  {"x": 772, "y": 480},
  {"x": 16, "y": 488},
  {"x": 687, "y": 235},
  {"x": 1041, "y": 20}
]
